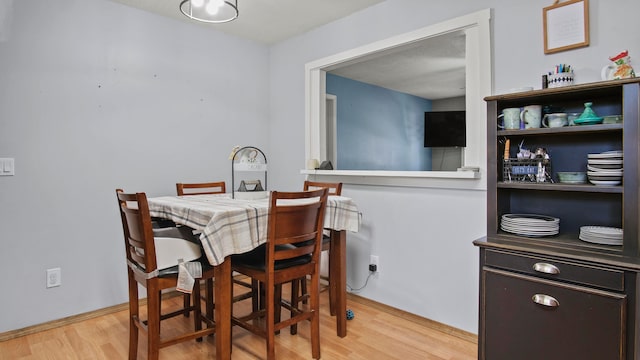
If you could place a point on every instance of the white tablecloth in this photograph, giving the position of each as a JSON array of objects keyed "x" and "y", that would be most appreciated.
[{"x": 232, "y": 226}]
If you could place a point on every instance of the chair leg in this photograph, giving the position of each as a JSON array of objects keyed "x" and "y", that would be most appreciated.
[
  {"x": 277, "y": 309},
  {"x": 160, "y": 305},
  {"x": 315, "y": 335},
  {"x": 270, "y": 293},
  {"x": 186, "y": 302},
  {"x": 314, "y": 297},
  {"x": 303, "y": 286},
  {"x": 153, "y": 324},
  {"x": 133, "y": 336},
  {"x": 197, "y": 305},
  {"x": 134, "y": 312},
  {"x": 255, "y": 295},
  {"x": 261, "y": 295},
  {"x": 295, "y": 299},
  {"x": 209, "y": 298}
]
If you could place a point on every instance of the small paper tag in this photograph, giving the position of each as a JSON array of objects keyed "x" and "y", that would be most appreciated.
[
  {"x": 185, "y": 280},
  {"x": 195, "y": 269}
]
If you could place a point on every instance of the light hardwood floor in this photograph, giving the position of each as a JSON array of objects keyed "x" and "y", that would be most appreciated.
[{"x": 376, "y": 332}]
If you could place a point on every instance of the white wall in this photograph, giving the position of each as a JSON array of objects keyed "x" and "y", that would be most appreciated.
[
  {"x": 423, "y": 237},
  {"x": 76, "y": 74},
  {"x": 95, "y": 96}
]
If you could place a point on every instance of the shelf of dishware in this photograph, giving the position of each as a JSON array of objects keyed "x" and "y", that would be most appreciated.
[
  {"x": 540, "y": 226},
  {"x": 552, "y": 231},
  {"x": 587, "y": 163},
  {"x": 572, "y": 207}
]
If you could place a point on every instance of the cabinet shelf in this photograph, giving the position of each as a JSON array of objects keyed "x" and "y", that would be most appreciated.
[
  {"x": 597, "y": 89},
  {"x": 562, "y": 241},
  {"x": 560, "y": 187},
  {"x": 567, "y": 130}
]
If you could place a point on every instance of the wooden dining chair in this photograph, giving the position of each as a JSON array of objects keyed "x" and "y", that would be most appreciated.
[
  {"x": 292, "y": 251},
  {"x": 212, "y": 188},
  {"x": 153, "y": 263},
  {"x": 182, "y": 189},
  {"x": 218, "y": 187},
  {"x": 299, "y": 288}
]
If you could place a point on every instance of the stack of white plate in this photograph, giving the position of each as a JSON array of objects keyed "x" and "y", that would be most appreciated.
[
  {"x": 530, "y": 224},
  {"x": 601, "y": 235},
  {"x": 605, "y": 168}
]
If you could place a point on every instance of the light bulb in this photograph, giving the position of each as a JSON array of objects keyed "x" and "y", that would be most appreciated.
[
  {"x": 197, "y": 3},
  {"x": 212, "y": 8},
  {"x": 217, "y": 3}
]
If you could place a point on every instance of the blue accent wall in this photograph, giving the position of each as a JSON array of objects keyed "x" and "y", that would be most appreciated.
[{"x": 378, "y": 128}]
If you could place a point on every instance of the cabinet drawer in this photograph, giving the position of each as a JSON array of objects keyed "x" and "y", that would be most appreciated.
[
  {"x": 557, "y": 269},
  {"x": 526, "y": 317}
]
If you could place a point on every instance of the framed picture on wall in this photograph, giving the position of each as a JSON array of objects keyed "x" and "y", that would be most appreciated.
[{"x": 566, "y": 25}]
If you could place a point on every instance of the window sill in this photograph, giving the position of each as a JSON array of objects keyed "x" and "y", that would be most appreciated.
[{"x": 425, "y": 179}]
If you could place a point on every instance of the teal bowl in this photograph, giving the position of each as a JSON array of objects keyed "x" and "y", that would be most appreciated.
[{"x": 572, "y": 177}]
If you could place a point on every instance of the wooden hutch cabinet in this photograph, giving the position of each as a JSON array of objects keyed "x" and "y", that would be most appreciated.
[{"x": 558, "y": 297}]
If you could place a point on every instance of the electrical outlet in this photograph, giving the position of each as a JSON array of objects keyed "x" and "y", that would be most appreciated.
[
  {"x": 54, "y": 277},
  {"x": 374, "y": 260}
]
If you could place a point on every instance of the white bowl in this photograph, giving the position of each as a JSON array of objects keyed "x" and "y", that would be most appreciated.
[
  {"x": 605, "y": 182},
  {"x": 604, "y": 173}
]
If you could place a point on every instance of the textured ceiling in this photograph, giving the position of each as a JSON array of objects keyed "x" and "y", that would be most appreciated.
[{"x": 433, "y": 68}]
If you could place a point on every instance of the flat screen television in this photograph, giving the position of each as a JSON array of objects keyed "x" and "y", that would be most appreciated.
[{"x": 445, "y": 129}]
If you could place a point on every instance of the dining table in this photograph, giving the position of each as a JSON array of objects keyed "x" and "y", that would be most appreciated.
[{"x": 228, "y": 226}]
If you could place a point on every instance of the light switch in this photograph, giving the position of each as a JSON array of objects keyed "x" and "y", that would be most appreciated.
[{"x": 7, "y": 167}]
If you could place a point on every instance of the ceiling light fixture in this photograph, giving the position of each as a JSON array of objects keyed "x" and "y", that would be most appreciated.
[{"x": 210, "y": 11}]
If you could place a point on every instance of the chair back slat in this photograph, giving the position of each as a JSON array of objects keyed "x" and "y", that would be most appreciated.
[
  {"x": 137, "y": 258},
  {"x": 295, "y": 240},
  {"x": 218, "y": 187},
  {"x": 294, "y": 252},
  {"x": 137, "y": 228},
  {"x": 334, "y": 188}
]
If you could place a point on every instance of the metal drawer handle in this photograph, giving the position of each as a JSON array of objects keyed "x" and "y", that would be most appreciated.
[
  {"x": 546, "y": 268},
  {"x": 545, "y": 300}
]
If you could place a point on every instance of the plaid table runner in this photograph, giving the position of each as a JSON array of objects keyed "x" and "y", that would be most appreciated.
[{"x": 232, "y": 226}]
